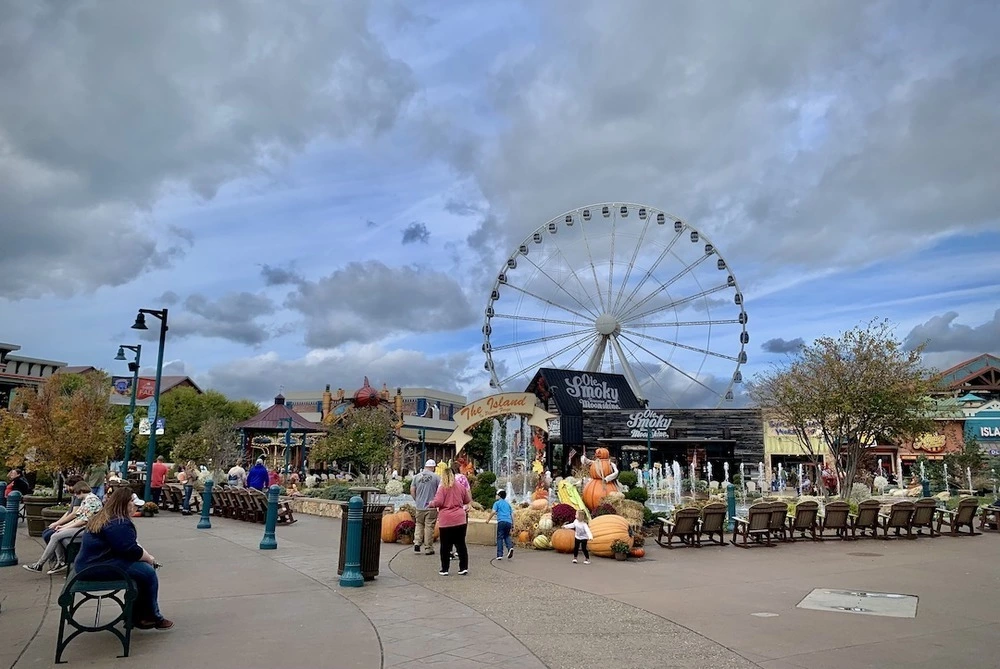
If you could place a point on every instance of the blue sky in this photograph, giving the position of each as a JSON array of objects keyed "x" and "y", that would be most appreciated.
[{"x": 328, "y": 191}]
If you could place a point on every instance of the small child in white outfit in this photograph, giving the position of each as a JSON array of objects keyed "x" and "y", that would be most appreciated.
[{"x": 581, "y": 534}]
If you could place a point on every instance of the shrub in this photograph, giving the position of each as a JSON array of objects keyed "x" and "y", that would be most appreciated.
[
  {"x": 405, "y": 529},
  {"x": 637, "y": 495},
  {"x": 859, "y": 493},
  {"x": 340, "y": 493},
  {"x": 605, "y": 509},
  {"x": 483, "y": 491},
  {"x": 394, "y": 488},
  {"x": 649, "y": 516},
  {"x": 628, "y": 479},
  {"x": 486, "y": 478},
  {"x": 562, "y": 514}
]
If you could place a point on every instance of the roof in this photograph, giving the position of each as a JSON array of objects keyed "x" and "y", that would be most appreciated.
[
  {"x": 76, "y": 369},
  {"x": 969, "y": 369},
  {"x": 275, "y": 419},
  {"x": 575, "y": 390},
  {"x": 169, "y": 382},
  {"x": 969, "y": 397}
]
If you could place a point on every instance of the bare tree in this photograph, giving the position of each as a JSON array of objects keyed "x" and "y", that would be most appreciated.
[{"x": 856, "y": 389}]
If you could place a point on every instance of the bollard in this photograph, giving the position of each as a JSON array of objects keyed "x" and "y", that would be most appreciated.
[
  {"x": 269, "y": 542},
  {"x": 352, "y": 578},
  {"x": 8, "y": 558},
  {"x": 730, "y": 506},
  {"x": 925, "y": 488},
  {"x": 206, "y": 507}
]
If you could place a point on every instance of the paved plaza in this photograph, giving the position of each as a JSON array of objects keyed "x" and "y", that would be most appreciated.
[{"x": 237, "y": 606}]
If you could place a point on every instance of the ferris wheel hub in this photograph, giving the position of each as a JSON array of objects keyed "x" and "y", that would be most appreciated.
[{"x": 606, "y": 325}]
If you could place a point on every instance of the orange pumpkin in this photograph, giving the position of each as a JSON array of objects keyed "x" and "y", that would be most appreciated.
[
  {"x": 524, "y": 537},
  {"x": 540, "y": 504},
  {"x": 607, "y": 529},
  {"x": 541, "y": 493},
  {"x": 562, "y": 540},
  {"x": 595, "y": 491},
  {"x": 637, "y": 552},
  {"x": 389, "y": 523}
]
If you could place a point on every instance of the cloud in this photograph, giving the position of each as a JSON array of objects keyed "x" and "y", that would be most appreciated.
[
  {"x": 416, "y": 232},
  {"x": 943, "y": 335},
  {"x": 779, "y": 345},
  {"x": 168, "y": 298},
  {"x": 201, "y": 94},
  {"x": 233, "y": 317},
  {"x": 370, "y": 224},
  {"x": 170, "y": 368},
  {"x": 367, "y": 301},
  {"x": 276, "y": 276}
]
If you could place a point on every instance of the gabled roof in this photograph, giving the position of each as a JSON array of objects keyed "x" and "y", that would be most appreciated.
[
  {"x": 959, "y": 374},
  {"x": 275, "y": 419},
  {"x": 76, "y": 369},
  {"x": 969, "y": 397}
]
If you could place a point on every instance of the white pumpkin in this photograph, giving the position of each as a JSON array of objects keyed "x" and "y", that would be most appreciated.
[{"x": 545, "y": 522}]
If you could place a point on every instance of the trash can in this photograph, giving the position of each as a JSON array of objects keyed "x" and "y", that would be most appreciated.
[{"x": 371, "y": 534}]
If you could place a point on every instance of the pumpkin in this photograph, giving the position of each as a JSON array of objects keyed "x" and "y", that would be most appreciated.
[
  {"x": 540, "y": 504},
  {"x": 595, "y": 491},
  {"x": 524, "y": 537},
  {"x": 545, "y": 522},
  {"x": 541, "y": 493},
  {"x": 637, "y": 552},
  {"x": 542, "y": 542},
  {"x": 607, "y": 529},
  {"x": 389, "y": 523},
  {"x": 562, "y": 540}
]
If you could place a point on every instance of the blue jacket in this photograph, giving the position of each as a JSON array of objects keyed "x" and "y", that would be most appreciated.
[
  {"x": 116, "y": 543},
  {"x": 258, "y": 477}
]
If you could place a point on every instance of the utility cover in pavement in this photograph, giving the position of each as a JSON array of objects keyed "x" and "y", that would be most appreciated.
[{"x": 861, "y": 601}]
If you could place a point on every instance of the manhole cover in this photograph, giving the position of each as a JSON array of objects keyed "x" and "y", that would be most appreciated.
[
  {"x": 866, "y": 554},
  {"x": 861, "y": 601}
]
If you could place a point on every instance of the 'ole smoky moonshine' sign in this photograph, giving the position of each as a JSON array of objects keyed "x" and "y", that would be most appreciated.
[{"x": 648, "y": 424}]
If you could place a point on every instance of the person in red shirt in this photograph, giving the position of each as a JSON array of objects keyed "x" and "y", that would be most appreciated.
[{"x": 156, "y": 478}]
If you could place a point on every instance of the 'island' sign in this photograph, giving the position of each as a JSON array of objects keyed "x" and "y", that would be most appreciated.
[
  {"x": 591, "y": 393},
  {"x": 493, "y": 406},
  {"x": 989, "y": 432},
  {"x": 643, "y": 424}
]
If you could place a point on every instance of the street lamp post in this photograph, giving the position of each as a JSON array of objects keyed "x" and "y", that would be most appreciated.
[
  {"x": 423, "y": 444},
  {"x": 140, "y": 324},
  {"x": 288, "y": 444},
  {"x": 649, "y": 449},
  {"x": 130, "y": 421}
]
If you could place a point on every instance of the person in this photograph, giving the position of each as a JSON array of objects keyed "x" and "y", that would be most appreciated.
[
  {"x": 505, "y": 523},
  {"x": 96, "y": 476},
  {"x": 190, "y": 478},
  {"x": 806, "y": 486},
  {"x": 423, "y": 488},
  {"x": 65, "y": 532},
  {"x": 257, "y": 476},
  {"x": 70, "y": 514},
  {"x": 237, "y": 476},
  {"x": 156, "y": 479},
  {"x": 450, "y": 500},
  {"x": 581, "y": 535},
  {"x": 16, "y": 481},
  {"x": 272, "y": 477},
  {"x": 111, "y": 541}
]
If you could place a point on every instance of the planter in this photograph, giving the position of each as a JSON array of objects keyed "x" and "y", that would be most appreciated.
[
  {"x": 52, "y": 513},
  {"x": 148, "y": 514},
  {"x": 621, "y": 557},
  {"x": 406, "y": 540},
  {"x": 33, "y": 507}
]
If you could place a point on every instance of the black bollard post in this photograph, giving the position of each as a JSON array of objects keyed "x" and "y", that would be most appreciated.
[
  {"x": 269, "y": 542},
  {"x": 8, "y": 558}
]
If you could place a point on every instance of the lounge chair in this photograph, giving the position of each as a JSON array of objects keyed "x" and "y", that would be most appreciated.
[
  {"x": 866, "y": 519},
  {"x": 756, "y": 526},
  {"x": 682, "y": 526},
  {"x": 804, "y": 520},
  {"x": 898, "y": 519},
  {"x": 779, "y": 514},
  {"x": 924, "y": 516},
  {"x": 713, "y": 523},
  {"x": 989, "y": 518},
  {"x": 835, "y": 518},
  {"x": 963, "y": 516}
]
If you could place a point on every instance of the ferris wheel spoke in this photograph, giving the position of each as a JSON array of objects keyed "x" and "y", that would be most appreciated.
[
  {"x": 631, "y": 264},
  {"x": 539, "y": 340},
  {"x": 545, "y": 300},
  {"x": 560, "y": 286},
  {"x": 672, "y": 366},
  {"x": 569, "y": 365},
  {"x": 680, "y": 345},
  {"x": 663, "y": 286},
  {"x": 593, "y": 268},
  {"x": 649, "y": 272},
  {"x": 548, "y": 358},
  {"x": 675, "y": 324},
  {"x": 677, "y": 303},
  {"x": 627, "y": 368},
  {"x": 653, "y": 378},
  {"x": 611, "y": 258},
  {"x": 515, "y": 317}
]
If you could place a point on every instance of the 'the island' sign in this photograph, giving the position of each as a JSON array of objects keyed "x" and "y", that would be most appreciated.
[
  {"x": 643, "y": 424},
  {"x": 497, "y": 405}
]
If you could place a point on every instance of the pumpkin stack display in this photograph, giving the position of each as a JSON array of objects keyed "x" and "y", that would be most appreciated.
[
  {"x": 389, "y": 523},
  {"x": 597, "y": 488}
]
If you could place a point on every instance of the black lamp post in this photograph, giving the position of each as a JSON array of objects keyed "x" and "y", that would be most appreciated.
[
  {"x": 130, "y": 421},
  {"x": 140, "y": 324}
]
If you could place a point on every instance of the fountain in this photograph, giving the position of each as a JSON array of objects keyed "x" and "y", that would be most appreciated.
[
  {"x": 694, "y": 480},
  {"x": 760, "y": 477},
  {"x": 675, "y": 468},
  {"x": 880, "y": 471},
  {"x": 923, "y": 472},
  {"x": 800, "y": 479},
  {"x": 993, "y": 473},
  {"x": 709, "y": 468},
  {"x": 725, "y": 473},
  {"x": 946, "y": 486},
  {"x": 781, "y": 477},
  {"x": 968, "y": 477}
]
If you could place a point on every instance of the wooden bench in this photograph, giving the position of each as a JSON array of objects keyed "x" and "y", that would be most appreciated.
[{"x": 81, "y": 589}]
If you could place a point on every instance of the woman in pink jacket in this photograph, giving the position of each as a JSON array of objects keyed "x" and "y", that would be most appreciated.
[{"x": 450, "y": 501}]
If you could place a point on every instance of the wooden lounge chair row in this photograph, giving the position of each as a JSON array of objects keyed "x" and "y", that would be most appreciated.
[
  {"x": 689, "y": 526},
  {"x": 236, "y": 503}
]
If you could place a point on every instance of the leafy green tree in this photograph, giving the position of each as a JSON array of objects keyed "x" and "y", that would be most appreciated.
[
  {"x": 363, "y": 438},
  {"x": 185, "y": 411},
  {"x": 216, "y": 444},
  {"x": 480, "y": 448}
]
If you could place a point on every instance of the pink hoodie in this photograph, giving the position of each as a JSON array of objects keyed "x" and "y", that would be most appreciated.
[{"x": 450, "y": 503}]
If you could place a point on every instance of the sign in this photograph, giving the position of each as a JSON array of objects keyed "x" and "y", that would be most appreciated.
[
  {"x": 592, "y": 393},
  {"x": 555, "y": 428},
  {"x": 575, "y": 391},
  {"x": 129, "y": 423},
  {"x": 121, "y": 386},
  {"x": 151, "y": 411},
  {"x": 648, "y": 424},
  {"x": 161, "y": 425},
  {"x": 492, "y": 406}
]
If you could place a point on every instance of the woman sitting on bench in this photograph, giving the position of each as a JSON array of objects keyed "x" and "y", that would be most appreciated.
[{"x": 110, "y": 540}]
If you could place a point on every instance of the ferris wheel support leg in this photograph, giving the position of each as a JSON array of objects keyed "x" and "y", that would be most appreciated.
[
  {"x": 627, "y": 370},
  {"x": 594, "y": 361}
]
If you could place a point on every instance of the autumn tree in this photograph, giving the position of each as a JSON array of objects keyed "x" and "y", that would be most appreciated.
[
  {"x": 13, "y": 428},
  {"x": 216, "y": 444},
  {"x": 855, "y": 390},
  {"x": 363, "y": 438}
]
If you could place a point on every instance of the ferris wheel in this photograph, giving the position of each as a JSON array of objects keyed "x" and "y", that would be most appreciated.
[{"x": 622, "y": 288}]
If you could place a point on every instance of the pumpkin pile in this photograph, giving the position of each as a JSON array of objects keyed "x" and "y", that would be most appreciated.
[{"x": 390, "y": 522}]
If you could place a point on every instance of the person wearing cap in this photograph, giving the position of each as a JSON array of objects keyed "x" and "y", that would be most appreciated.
[
  {"x": 423, "y": 487},
  {"x": 258, "y": 477}
]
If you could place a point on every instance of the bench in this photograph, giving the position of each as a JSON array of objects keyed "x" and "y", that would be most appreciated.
[{"x": 79, "y": 590}]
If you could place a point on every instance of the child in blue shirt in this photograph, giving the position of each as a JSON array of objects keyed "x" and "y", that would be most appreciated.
[{"x": 505, "y": 523}]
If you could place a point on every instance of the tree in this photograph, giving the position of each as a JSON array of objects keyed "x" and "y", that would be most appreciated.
[
  {"x": 480, "y": 448},
  {"x": 971, "y": 457},
  {"x": 363, "y": 438},
  {"x": 855, "y": 390},
  {"x": 13, "y": 428},
  {"x": 185, "y": 411},
  {"x": 216, "y": 444}
]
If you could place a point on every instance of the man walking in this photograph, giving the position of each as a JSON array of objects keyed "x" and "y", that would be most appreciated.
[
  {"x": 423, "y": 487},
  {"x": 96, "y": 477},
  {"x": 156, "y": 478}
]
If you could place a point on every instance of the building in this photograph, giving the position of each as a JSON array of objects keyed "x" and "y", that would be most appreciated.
[
  {"x": 121, "y": 389},
  {"x": 17, "y": 371},
  {"x": 979, "y": 376}
]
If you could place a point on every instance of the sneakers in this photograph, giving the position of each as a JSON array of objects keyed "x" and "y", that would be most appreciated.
[
  {"x": 429, "y": 551},
  {"x": 416, "y": 548},
  {"x": 36, "y": 567},
  {"x": 59, "y": 568},
  {"x": 510, "y": 553},
  {"x": 584, "y": 562},
  {"x": 574, "y": 560},
  {"x": 463, "y": 572},
  {"x": 161, "y": 624},
  {"x": 442, "y": 573},
  {"x": 499, "y": 557}
]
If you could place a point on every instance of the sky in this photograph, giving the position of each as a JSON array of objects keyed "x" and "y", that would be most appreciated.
[{"x": 322, "y": 191}]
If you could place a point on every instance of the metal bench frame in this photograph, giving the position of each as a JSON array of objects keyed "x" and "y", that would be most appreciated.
[{"x": 99, "y": 590}]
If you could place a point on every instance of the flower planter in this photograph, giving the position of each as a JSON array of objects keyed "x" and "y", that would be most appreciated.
[
  {"x": 33, "y": 507},
  {"x": 621, "y": 557},
  {"x": 51, "y": 513}
]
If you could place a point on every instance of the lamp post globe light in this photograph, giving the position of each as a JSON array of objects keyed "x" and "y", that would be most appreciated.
[
  {"x": 130, "y": 420},
  {"x": 140, "y": 324}
]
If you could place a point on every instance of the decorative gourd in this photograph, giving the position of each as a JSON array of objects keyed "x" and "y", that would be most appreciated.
[
  {"x": 541, "y": 493},
  {"x": 562, "y": 540},
  {"x": 524, "y": 537},
  {"x": 540, "y": 504},
  {"x": 389, "y": 523},
  {"x": 637, "y": 552},
  {"x": 545, "y": 522},
  {"x": 597, "y": 488},
  {"x": 605, "y": 530},
  {"x": 542, "y": 542}
]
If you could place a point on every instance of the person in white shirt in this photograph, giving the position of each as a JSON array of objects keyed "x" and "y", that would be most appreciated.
[
  {"x": 581, "y": 535},
  {"x": 237, "y": 476}
]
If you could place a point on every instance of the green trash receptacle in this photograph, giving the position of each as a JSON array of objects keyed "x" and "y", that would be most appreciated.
[{"x": 371, "y": 534}]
